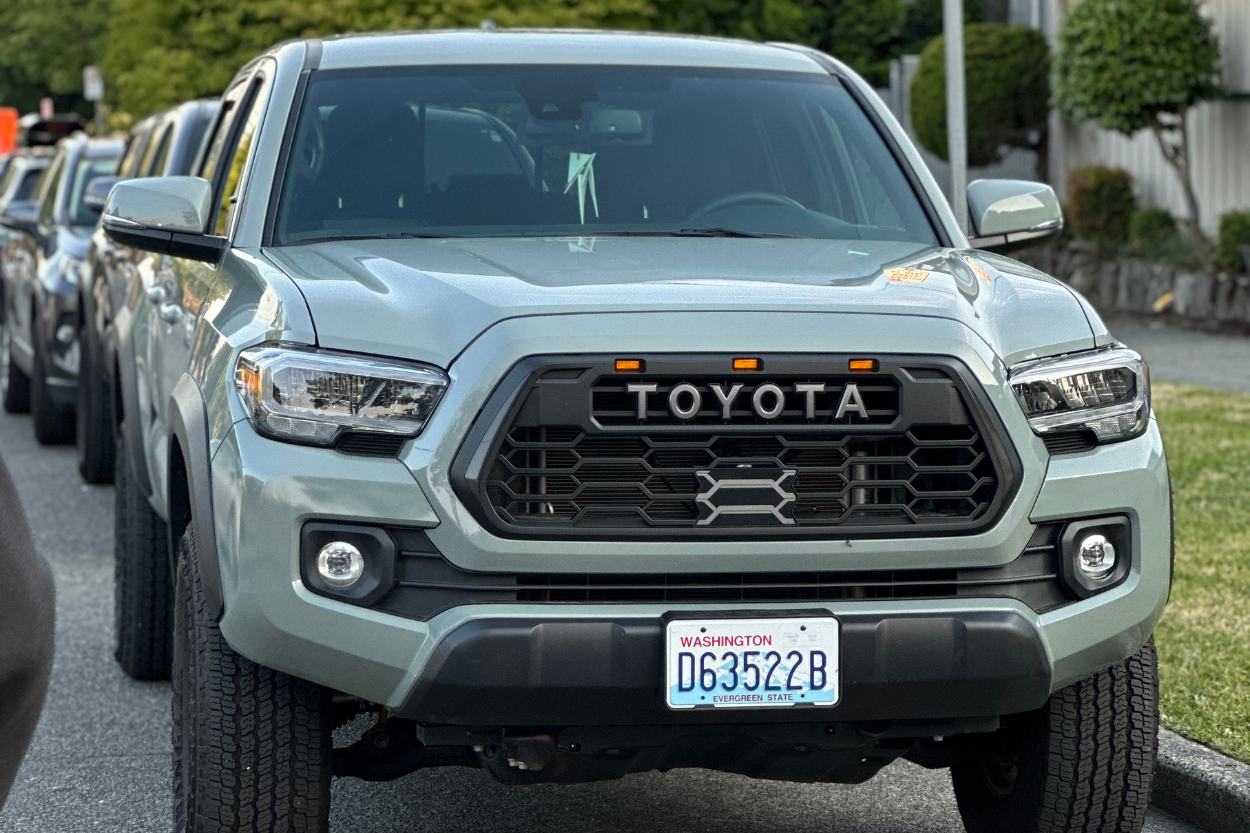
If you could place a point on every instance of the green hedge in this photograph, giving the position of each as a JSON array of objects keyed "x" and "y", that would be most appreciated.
[
  {"x": 1234, "y": 233},
  {"x": 1100, "y": 205},
  {"x": 1008, "y": 91}
]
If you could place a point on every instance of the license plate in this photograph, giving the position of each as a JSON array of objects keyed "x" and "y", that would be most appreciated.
[{"x": 751, "y": 663}]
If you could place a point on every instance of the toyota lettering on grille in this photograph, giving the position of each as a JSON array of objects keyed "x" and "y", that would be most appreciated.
[{"x": 768, "y": 400}]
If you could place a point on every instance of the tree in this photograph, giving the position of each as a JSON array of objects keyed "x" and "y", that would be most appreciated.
[
  {"x": 1137, "y": 64},
  {"x": 44, "y": 44},
  {"x": 160, "y": 52},
  {"x": 861, "y": 33},
  {"x": 1008, "y": 93}
]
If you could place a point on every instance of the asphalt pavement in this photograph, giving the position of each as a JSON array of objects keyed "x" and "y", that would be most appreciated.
[{"x": 100, "y": 757}]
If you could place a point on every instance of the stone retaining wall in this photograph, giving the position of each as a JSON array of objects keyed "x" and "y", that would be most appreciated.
[{"x": 1133, "y": 285}]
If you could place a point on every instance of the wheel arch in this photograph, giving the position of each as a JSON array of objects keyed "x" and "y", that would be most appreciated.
[{"x": 190, "y": 498}]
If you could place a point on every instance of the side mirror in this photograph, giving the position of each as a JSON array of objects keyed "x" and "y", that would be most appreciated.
[
  {"x": 1006, "y": 213},
  {"x": 166, "y": 215},
  {"x": 23, "y": 216},
  {"x": 97, "y": 194}
]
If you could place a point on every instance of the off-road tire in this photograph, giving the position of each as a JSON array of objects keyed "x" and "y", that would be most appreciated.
[
  {"x": 143, "y": 587},
  {"x": 252, "y": 748},
  {"x": 94, "y": 421},
  {"x": 16, "y": 383},
  {"x": 54, "y": 424},
  {"x": 1083, "y": 762}
]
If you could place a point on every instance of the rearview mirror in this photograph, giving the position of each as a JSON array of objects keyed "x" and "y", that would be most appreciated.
[
  {"x": 97, "y": 193},
  {"x": 166, "y": 215},
  {"x": 1006, "y": 213}
]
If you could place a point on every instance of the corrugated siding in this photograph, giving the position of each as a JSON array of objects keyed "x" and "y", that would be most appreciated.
[{"x": 1219, "y": 133}]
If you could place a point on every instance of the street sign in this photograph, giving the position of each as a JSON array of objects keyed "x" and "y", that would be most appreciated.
[
  {"x": 92, "y": 83},
  {"x": 46, "y": 109}
]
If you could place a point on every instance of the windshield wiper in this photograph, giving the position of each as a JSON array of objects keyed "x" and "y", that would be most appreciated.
[
  {"x": 694, "y": 232},
  {"x": 390, "y": 235}
]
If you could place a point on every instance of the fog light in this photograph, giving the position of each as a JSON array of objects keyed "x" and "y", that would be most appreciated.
[
  {"x": 65, "y": 334},
  {"x": 1097, "y": 557},
  {"x": 340, "y": 564}
]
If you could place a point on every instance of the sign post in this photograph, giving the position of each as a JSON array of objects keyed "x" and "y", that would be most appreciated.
[
  {"x": 956, "y": 108},
  {"x": 93, "y": 91}
]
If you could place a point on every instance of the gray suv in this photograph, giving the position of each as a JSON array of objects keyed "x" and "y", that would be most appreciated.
[{"x": 574, "y": 405}]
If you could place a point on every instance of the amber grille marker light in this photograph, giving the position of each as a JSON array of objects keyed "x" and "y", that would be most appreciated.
[
  {"x": 748, "y": 364},
  {"x": 630, "y": 366},
  {"x": 863, "y": 365}
]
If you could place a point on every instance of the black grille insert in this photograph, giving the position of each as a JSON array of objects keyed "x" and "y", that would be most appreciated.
[{"x": 572, "y": 449}]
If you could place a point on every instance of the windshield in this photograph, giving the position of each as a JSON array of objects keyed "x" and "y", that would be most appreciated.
[
  {"x": 81, "y": 214},
  {"x": 573, "y": 150}
]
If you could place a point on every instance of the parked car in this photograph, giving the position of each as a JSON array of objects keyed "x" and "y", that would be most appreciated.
[
  {"x": 44, "y": 250},
  {"x": 18, "y": 183},
  {"x": 615, "y": 403},
  {"x": 165, "y": 144}
]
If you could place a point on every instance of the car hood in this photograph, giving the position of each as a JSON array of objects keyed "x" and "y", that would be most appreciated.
[{"x": 426, "y": 300}]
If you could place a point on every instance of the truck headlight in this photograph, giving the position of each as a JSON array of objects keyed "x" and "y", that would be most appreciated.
[
  {"x": 311, "y": 397},
  {"x": 1103, "y": 391}
]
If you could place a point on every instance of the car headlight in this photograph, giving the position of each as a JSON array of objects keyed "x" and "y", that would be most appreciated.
[
  {"x": 312, "y": 397},
  {"x": 1103, "y": 391}
]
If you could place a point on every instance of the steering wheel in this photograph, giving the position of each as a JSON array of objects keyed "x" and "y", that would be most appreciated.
[{"x": 743, "y": 198}]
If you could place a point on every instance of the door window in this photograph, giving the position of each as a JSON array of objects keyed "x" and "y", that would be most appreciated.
[
  {"x": 158, "y": 149},
  {"x": 230, "y": 188},
  {"x": 129, "y": 166},
  {"x": 48, "y": 193}
]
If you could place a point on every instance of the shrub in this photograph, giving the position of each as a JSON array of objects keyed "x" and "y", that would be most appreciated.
[
  {"x": 1234, "y": 233},
  {"x": 1148, "y": 226},
  {"x": 1008, "y": 91},
  {"x": 1100, "y": 204}
]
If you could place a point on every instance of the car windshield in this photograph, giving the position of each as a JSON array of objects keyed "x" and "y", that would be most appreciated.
[
  {"x": 575, "y": 150},
  {"x": 81, "y": 214}
]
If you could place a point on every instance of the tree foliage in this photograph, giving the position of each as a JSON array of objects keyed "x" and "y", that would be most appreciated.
[
  {"x": 1125, "y": 62},
  {"x": 1137, "y": 64},
  {"x": 155, "y": 53},
  {"x": 1007, "y": 68}
]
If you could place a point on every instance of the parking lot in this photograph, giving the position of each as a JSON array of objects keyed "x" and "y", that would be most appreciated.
[{"x": 100, "y": 759}]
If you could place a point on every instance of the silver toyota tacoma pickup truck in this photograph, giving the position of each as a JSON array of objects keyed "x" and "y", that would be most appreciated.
[{"x": 584, "y": 404}]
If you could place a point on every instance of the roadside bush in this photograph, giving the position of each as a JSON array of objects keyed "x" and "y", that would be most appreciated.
[
  {"x": 1100, "y": 205},
  {"x": 1148, "y": 225},
  {"x": 1008, "y": 91},
  {"x": 1234, "y": 233}
]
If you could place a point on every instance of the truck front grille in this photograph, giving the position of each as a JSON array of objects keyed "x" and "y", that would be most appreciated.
[{"x": 577, "y": 452}]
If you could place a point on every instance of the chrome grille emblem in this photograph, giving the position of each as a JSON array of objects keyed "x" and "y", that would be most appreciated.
[{"x": 745, "y": 497}]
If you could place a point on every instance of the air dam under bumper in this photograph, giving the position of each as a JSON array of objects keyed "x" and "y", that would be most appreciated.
[{"x": 526, "y": 672}]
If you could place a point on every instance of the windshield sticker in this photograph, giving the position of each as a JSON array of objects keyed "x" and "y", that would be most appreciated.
[
  {"x": 582, "y": 173},
  {"x": 906, "y": 275}
]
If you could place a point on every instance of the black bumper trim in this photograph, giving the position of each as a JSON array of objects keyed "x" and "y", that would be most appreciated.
[{"x": 602, "y": 672}]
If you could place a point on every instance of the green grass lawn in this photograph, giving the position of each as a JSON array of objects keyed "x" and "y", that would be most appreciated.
[{"x": 1204, "y": 638}]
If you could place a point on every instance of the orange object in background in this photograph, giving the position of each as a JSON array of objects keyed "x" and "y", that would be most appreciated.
[{"x": 8, "y": 130}]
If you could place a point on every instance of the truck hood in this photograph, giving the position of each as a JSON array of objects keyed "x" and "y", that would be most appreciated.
[{"x": 427, "y": 300}]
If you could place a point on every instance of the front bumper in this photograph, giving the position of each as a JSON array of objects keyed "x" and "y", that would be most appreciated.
[
  {"x": 264, "y": 491},
  {"x": 596, "y": 672}
]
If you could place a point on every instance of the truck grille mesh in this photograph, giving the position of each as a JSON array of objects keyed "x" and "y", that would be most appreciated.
[{"x": 561, "y": 476}]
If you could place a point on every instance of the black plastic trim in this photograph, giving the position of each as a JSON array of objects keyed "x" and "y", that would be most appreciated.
[
  {"x": 485, "y": 436},
  {"x": 188, "y": 422},
  {"x": 1119, "y": 531},
  {"x": 609, "y": 672},
  {"x": 375, "y": 546}
]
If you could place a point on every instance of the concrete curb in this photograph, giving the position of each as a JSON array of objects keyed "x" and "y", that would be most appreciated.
[{"x": 1201, "y": 786}]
